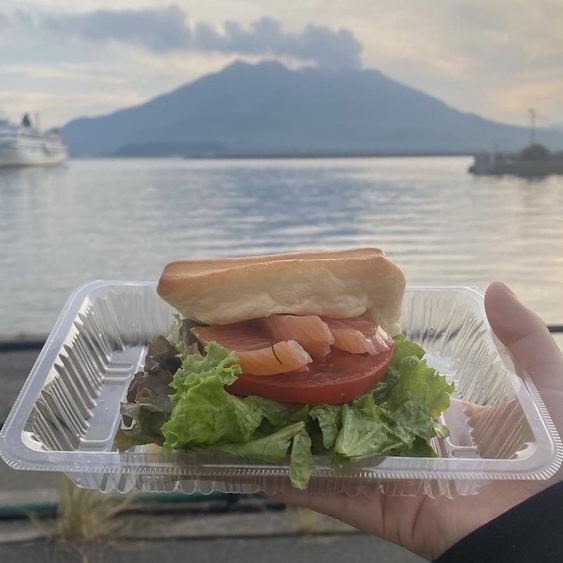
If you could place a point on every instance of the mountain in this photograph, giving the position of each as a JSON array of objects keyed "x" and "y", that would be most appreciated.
[{"x": 268, "y": 109}]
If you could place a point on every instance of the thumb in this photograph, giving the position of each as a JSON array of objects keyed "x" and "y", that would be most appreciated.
[
  {"x": 523, "y": 332},
  {"x": 530, "y": 344}
]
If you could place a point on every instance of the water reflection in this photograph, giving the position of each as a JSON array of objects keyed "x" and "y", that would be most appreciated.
[
  {"x": 262, "y": 209},
  {"x": 126, "y": 219}
]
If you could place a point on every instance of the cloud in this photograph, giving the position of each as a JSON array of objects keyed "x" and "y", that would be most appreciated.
[
  {"x": 164, "y": 30},
  {"x": 4, "y": 23},
  {"x": 470, "y": 53},
  {"x": 159, "y": 30},
  {"x": 477, "y": 55},
  {"x": 321, "y": 44}
]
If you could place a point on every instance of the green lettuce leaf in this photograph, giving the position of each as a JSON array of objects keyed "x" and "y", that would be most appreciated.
[
  {"x": 398, "y": 416},
  {"x": 329, "y": 418},
  {"x": 441, "y": 430},
  {"x": 271, "y": 449},
  {"x": 301, "y": 462},
  {"x": 383, "y": 388},
  {"x": 148, "y": 405},
  {"x": 419, "y": 382},
  {"x": 405, "y": 348},
  {"x": 218, "y": 363},
  {"x": 277, "y": 414},
  {"x": 363, "y": 434},
  {"x": 409, "y": 420},
  {"x": 204, "y": 412},
  {"x": 419, "y": 448},
  {"x": 366, "y": 405},
  {"x": 145, "y": 421}
]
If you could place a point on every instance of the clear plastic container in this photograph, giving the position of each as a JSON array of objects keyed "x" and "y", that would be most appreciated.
[{"x": 67, "y": 413}]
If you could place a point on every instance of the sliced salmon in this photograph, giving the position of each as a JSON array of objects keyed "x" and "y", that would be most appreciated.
[
  {"x": 358, "y": 335},
  {"x": 309, "y": 330},
  {"x": 257, "y": 352}
]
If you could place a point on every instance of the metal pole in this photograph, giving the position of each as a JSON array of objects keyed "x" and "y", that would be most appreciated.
[{"x": 533, "y": 116}]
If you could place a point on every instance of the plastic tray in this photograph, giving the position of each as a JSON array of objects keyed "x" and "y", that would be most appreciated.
[{"x": 67, "y": 413}]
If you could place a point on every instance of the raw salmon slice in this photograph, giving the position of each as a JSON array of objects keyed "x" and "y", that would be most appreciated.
[
  {"x": 258, "y": 354},
  {"x": 309, "y": 330},
  {"x": 358, "y": 335}
]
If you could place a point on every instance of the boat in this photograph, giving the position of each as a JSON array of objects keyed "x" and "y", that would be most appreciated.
[
  {"x": 26, "y": 145},
  {"x": 535, "y": 161}
]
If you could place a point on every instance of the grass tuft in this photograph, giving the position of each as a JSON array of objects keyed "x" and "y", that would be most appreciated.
[
  {"x": 85, "y": 516},
  {"x": 306, "y": 521}
]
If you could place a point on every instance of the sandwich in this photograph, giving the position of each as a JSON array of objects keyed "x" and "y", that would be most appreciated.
[{"x": 285, "y": 357}]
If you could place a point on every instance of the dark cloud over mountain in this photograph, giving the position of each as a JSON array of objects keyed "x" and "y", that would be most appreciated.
[
  {"x": 158, "y": 30},
  {"x": 266, "y": 36},
  {"x": 162, "y": 30}
]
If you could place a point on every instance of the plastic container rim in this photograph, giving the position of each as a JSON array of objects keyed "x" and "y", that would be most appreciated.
[{"x": 19, "y": 456}]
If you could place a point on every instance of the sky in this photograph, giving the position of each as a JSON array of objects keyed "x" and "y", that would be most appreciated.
[{"x": 66, "y": 59}]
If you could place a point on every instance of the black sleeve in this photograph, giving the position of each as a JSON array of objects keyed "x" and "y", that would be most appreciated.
[{"x": 530, "y": 532}]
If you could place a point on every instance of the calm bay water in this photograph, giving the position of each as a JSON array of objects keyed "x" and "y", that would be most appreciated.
[{"x": 124, "y": 219}]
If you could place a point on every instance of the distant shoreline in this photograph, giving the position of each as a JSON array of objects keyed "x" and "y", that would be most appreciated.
[
  {"x": 324, "y": 155},
  {"x": 282, "y": 156}
]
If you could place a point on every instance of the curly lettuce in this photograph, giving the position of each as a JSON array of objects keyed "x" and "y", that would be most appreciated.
[{"x": 190, "y": 409}]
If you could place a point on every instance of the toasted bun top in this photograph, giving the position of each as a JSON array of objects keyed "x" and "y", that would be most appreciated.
[{"x": 337, "y": 284}]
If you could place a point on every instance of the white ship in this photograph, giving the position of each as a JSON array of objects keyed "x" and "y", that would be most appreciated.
[{"x": 27, "y": 145}]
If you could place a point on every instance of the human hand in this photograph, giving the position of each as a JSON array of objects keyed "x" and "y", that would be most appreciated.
[{"x": 429, "y": 526}]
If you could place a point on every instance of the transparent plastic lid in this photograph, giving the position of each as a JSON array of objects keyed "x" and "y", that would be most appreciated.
[{"x": 67, "y": 413}]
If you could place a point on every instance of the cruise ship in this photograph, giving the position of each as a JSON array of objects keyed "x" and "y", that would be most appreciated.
[{"x": 27, "y": 145}]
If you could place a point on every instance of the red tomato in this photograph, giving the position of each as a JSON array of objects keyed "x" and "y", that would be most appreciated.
[{"x": 338, "y": 378}]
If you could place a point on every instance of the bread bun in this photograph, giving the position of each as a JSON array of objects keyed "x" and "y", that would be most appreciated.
[{"x": 337, "y": 284}]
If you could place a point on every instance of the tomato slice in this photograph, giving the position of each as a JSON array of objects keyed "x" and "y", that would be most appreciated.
[{"x": 337, "y": 378}]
